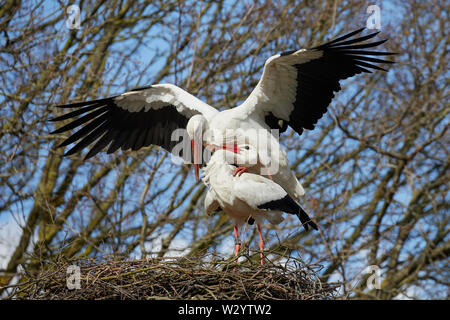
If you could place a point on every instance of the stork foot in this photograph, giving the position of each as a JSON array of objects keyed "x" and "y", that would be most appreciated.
[{"x": 239, "y": 170}]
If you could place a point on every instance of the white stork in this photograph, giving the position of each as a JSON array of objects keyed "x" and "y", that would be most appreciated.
[
  {"x": 247, "y": 197},
  {"x": 295, "y": 89}
]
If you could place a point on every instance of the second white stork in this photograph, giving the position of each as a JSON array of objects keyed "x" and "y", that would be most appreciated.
[
  {"x": 295, "y": 90},
  {"x": 247, "y": 197}
]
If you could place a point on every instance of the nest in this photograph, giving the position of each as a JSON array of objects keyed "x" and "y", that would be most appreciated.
[{"x": 177, "y": 278}]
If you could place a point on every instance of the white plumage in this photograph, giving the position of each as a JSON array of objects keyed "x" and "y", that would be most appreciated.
[
  {"x": 276, "y": 91},
  {"x": 158, "y": 96},
  {"x": 239, "y": 196}
]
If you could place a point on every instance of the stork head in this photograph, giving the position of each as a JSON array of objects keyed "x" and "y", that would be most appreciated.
[
  {"x": 246, "y": 154},
  {"x": 196, "y": 126}
]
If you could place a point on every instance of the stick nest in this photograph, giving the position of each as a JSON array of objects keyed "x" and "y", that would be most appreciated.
[{"x": 176, "y": 278}]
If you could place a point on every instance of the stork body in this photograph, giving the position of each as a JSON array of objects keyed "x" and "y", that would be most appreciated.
[
  {"x": 247, "y": 196},
  {"x": 252, "y": 129}
]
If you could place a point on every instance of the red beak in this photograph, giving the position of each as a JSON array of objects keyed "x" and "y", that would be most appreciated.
[{"x": 196, "y": 152}]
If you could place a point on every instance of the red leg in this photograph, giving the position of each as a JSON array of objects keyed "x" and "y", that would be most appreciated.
[
  {"x": 261, "y": 244},
  {"x": 237, "y": 245},
  {"x": 239, "y": 170},
  {"x": 237, "y": 242}
]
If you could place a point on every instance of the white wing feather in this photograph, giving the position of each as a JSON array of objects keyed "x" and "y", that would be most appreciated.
[
  {"x": 256, "y": 190},
  {"x": 276, "y": 90},
  {"x": 160, "y": 95}
]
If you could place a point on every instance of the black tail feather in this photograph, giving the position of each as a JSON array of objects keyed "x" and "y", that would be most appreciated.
[
  {"x": 288, "y": 205},
  {"x": 306, "y": 220}
]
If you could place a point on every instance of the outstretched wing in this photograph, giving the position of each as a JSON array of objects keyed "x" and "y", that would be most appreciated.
[
  {"x": 134, "y": 119},
  {"x": 297, "y": 86}
]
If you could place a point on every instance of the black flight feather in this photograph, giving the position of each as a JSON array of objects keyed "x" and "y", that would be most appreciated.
[{"x": 318, "y": 79}]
